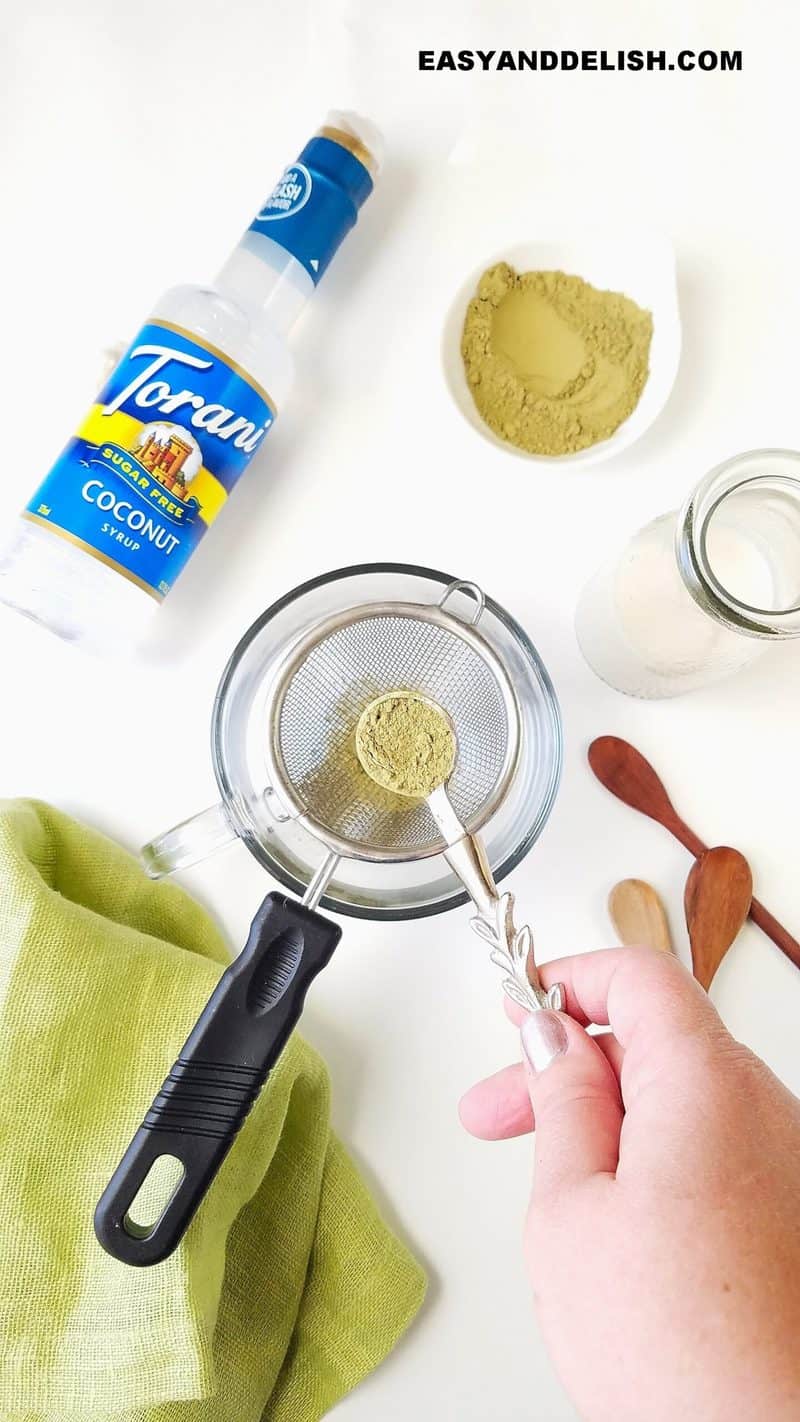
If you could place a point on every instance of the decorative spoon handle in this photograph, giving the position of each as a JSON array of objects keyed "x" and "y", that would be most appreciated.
[
  {"x": 512, "y": 952},
  {"x": 512, "y": 948}
]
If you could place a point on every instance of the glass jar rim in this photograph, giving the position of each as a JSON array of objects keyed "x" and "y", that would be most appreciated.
[{"x": 692, "y": 531}]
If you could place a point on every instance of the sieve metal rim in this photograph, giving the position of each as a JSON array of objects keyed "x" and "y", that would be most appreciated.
[{"x": 296, "y": 654}]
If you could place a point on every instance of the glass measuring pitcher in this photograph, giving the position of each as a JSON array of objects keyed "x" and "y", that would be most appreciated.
[
  {"x": 250, "y": 810},
  {"x": 699, "y": 594}
]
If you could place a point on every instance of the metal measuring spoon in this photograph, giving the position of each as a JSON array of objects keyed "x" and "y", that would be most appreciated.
[{"x": 511, "y": 947}]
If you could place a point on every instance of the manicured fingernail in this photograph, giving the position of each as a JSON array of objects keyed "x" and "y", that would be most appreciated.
[{"x": 544, "y": 1038}]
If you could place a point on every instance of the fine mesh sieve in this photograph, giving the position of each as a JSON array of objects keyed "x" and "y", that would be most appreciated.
[
  {"x": 313, "y": 705},
  {"x": 323, "y": 685},
  {"x": 304, "y": 714}
]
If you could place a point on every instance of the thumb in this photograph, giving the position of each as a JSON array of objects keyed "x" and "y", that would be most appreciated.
[{"x": 576, "y": 1102}]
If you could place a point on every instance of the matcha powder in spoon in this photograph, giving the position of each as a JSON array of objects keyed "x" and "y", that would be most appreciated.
[
  {"x": 553, "y": 364},
  {"x": 406, "y": 744}
]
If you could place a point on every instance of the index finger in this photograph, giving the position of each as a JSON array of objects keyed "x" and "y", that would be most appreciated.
[{"x": 636, "y": 991}]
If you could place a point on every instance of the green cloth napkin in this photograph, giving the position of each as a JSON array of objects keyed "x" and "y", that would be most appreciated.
[{"x": 287, "y": 1289}]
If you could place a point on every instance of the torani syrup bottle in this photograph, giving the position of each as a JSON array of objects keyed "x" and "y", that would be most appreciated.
[{"x": 124, "y": 507}]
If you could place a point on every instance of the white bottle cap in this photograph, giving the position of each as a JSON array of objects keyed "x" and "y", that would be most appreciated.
[{"x": 364, "y": 132}]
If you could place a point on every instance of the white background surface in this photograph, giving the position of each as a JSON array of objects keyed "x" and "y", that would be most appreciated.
[{"x": 371, "y": 461}]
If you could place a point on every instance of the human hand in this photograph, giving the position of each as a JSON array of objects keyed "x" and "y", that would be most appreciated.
[{"x": 663, "y": 1234}]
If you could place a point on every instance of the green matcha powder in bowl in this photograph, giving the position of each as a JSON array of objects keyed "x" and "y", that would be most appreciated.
[{"x": 565, "y": 351}]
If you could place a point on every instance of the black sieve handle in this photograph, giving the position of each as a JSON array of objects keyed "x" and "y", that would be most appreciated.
[{"x": 225, "y": 1061}]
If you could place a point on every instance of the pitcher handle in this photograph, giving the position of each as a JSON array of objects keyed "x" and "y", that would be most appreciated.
[{"x": 188, "y": 843}]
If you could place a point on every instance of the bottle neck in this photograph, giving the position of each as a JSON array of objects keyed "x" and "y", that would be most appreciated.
[
  {"x": 261, "y": 276},
  {"x": 294, "y": 236}
]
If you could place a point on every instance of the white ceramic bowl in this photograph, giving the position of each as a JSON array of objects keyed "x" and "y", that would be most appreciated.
[{"x": 641, "y": 266}]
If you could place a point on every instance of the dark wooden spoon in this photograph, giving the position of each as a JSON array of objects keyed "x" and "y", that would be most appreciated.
[
  {"x": 625, "y": 772},
  {"x": 719, "y": 891}
]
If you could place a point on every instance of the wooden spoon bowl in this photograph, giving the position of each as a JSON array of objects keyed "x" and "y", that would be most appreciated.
[
  {"x": 638, "y": 915},
  {"x": 717, "y": 900}
]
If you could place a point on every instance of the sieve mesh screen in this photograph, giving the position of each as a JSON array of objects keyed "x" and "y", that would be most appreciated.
[{"x": 325, "y": 696}]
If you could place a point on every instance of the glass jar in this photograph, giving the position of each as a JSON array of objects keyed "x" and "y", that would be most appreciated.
[{"x": 699, "y": 594}]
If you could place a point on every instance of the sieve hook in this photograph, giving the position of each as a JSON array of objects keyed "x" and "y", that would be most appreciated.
[{"x": 471, "y": 590}]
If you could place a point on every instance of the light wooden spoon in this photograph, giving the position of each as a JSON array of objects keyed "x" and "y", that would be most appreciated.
[
  {"x": 638, "y": 915},
  {"x": 717, "y": 901}
]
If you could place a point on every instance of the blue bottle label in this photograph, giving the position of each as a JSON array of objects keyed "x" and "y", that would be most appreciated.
[
  {"x": 315, "y": 202},
  {"x": 154, "y": 461}
]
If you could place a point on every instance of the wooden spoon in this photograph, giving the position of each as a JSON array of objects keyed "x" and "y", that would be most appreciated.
[
  {"x": 719, "y": 890},
  {"x": 626, "y": 773},
  {"x": 638, "y": 915}
]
